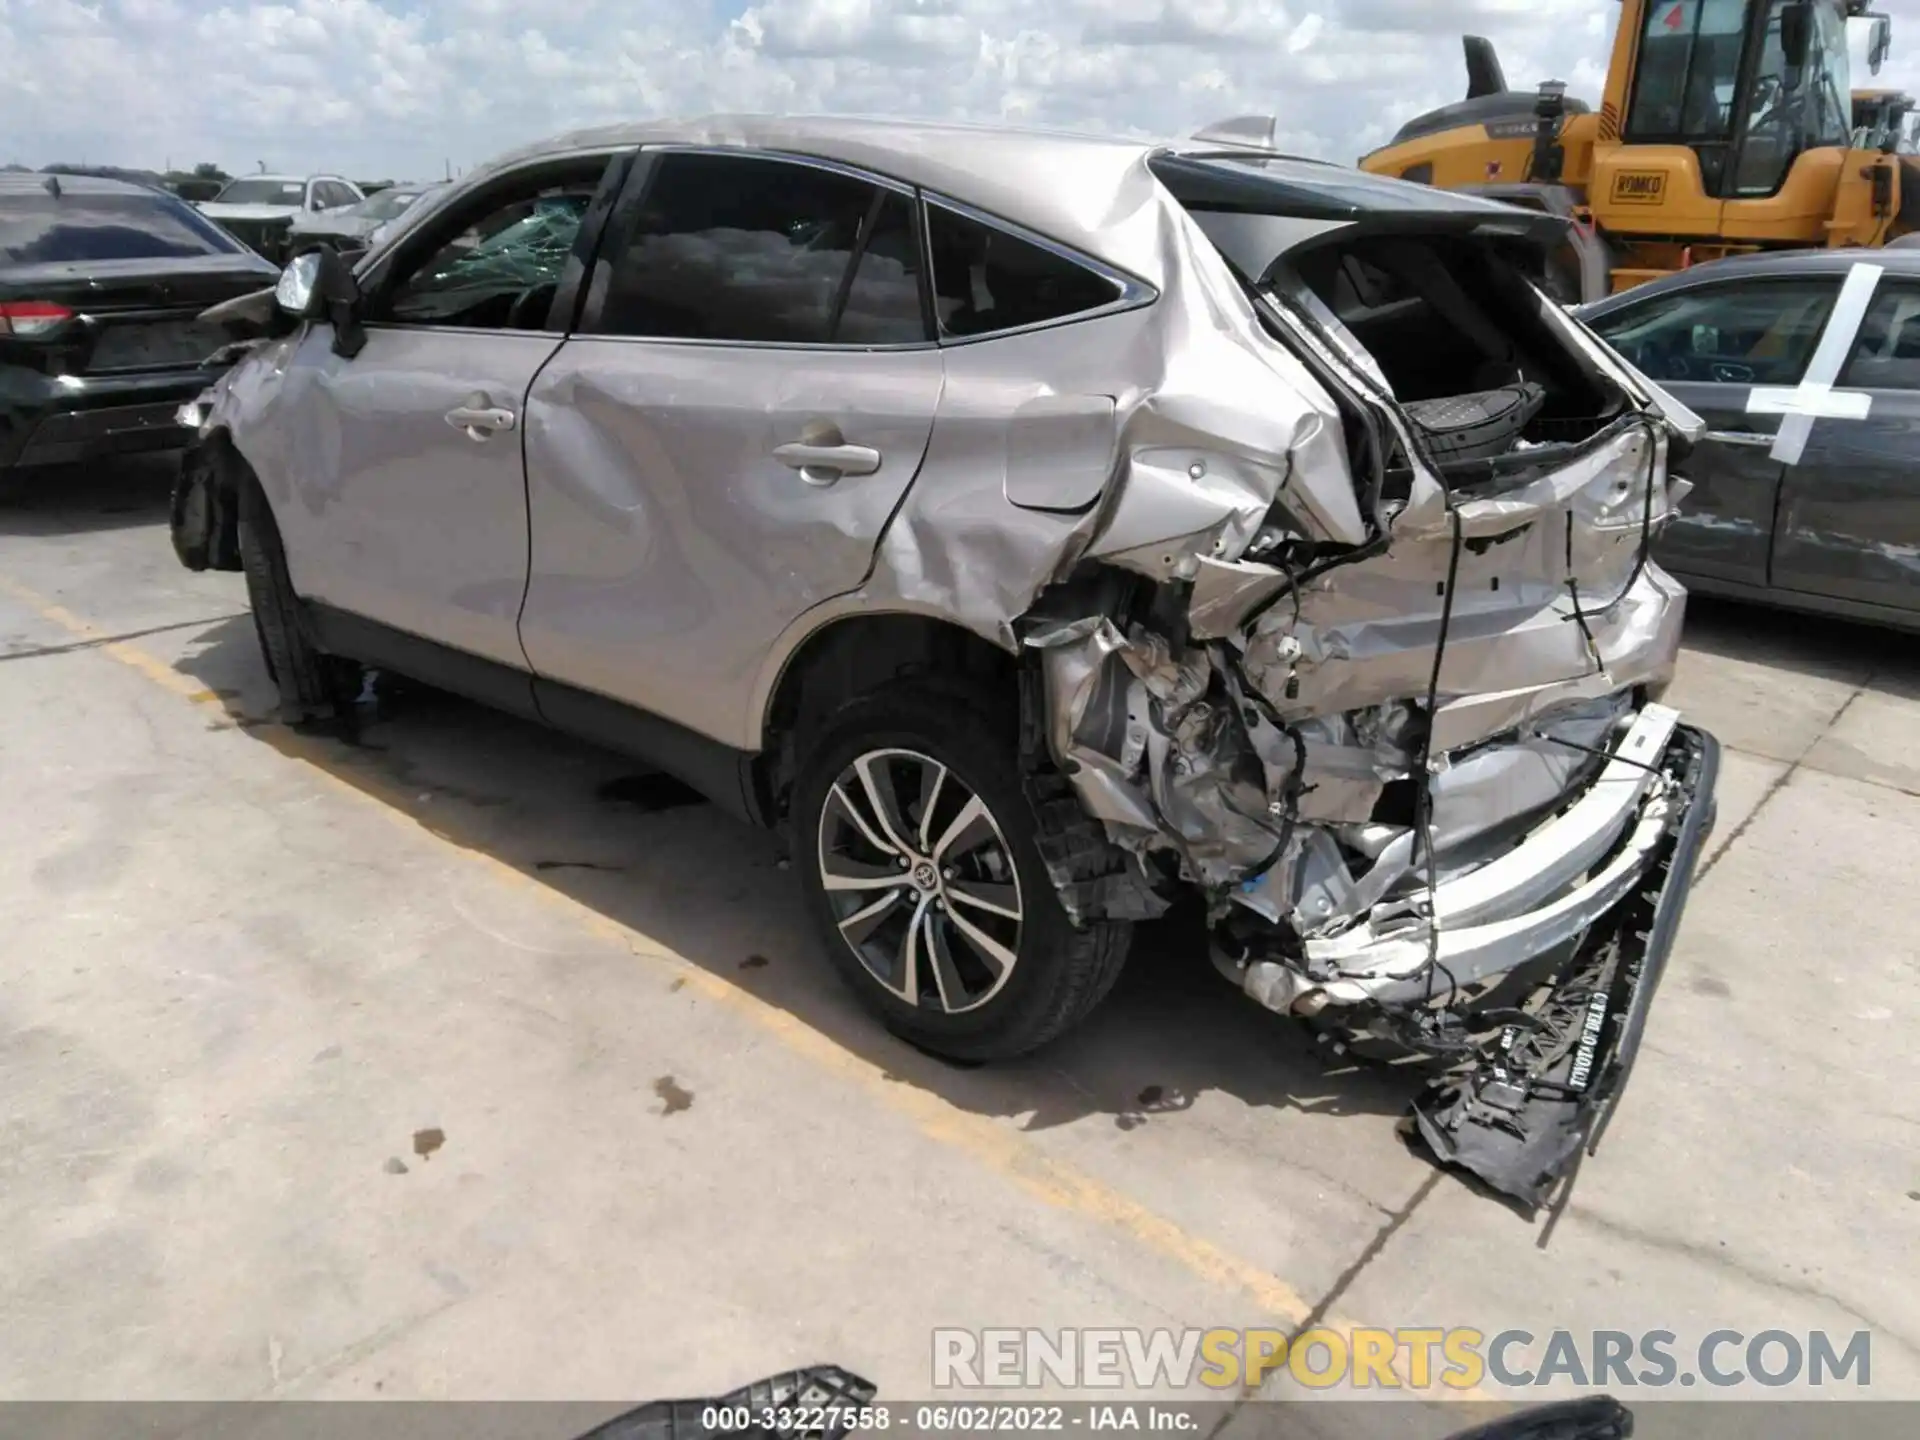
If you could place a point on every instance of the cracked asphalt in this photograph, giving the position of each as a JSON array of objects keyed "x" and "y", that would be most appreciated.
[{"x": 466, "y": 1061}]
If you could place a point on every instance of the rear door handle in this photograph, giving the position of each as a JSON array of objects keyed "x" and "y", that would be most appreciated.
[
  {"x": 479, "y": 419},
  {"x": 1742, "y": 437},
  {"x": 824, "y": 464}
]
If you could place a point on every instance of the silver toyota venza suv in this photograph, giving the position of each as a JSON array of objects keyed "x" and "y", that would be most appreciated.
[{"x": 1034, "y": 528}]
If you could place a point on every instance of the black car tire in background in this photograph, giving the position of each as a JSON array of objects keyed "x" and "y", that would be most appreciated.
[{"x": 313, "y": 685}]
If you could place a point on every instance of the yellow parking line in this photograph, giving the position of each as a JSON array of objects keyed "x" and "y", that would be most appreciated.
[
  {"x": 1004, "y": 1152},
  {"x": 155, "y": 669}
]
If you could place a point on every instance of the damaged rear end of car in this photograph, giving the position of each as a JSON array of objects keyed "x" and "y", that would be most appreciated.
[{"x": 1387, "y": 692}]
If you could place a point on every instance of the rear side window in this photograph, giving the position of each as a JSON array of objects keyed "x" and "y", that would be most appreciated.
[
  {"x": 49, "y": 230},
  {"x": 756, "y": 249},
  {"x": 1886, "y": 356},
  {"x": 1739, "y": 333},
  {"x": 986, "y": 279}
]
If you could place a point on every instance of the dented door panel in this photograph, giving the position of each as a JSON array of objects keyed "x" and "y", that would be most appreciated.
[
  {"x": 671, "y": 542},
  {"x": 388, "y": 510}
]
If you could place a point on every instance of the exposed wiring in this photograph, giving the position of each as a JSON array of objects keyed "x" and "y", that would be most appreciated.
[
  {"x": 1595, "y": 750},
  {"x": 1290, "y": 792},
  {"x": 1423, "y": 797},
  {"x": 1651, "y": 427},
  {"x": 1579, "y": 615}
]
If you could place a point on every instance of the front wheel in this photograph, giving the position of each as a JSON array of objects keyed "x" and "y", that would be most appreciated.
[
  {"x": 919, "y": 849},
  {"x": 313, "y": 685}
]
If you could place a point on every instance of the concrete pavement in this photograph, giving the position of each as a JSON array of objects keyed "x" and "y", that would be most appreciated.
[{"x": 461, "y": 1062}]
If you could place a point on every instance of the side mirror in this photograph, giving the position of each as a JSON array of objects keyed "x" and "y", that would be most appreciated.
[
  {"x": 299, "y": 287},
  {"x": 1796, "y": 38},
  {"x": 1879, "y": 42},
  {"x": 320, "y": 285}
]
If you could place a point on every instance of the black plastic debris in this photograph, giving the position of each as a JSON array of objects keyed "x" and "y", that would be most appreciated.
[{"x": 1518, "y": 1114}]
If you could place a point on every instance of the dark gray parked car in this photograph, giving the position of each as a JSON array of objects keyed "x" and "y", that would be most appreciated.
[{"x": 1807, "y": 369}]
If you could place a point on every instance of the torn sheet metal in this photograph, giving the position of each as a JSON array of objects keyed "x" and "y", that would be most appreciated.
[
  {"x": 1216, "y": 433},
  {"x": 1413, "y": 776}
]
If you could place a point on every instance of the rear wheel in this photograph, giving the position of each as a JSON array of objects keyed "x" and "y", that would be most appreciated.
[
  {"x": 313, "y": 685},
  {"x": 921, "y": 857}
]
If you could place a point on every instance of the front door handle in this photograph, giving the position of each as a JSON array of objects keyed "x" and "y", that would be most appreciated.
[
  {"x": 822, "y": 464},
  {"x": 1742, "y": 437},
  {"x": 479, "y": 419}
]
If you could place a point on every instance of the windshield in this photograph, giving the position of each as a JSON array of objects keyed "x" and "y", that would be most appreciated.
[
  {"x": 386, "y": 203},
  {"x": 1687, "y": 89},
  {"x": 1782, "y": 122},
  {"x": 258, "y": 190}
]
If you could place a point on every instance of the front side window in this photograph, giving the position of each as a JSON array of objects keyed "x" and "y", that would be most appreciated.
[
  {"x": 47, "y": 229},
  {"x": 986, "y": 279},
  {"x": 1740, "y": 333},
  {"x": 748, "y": 248},
  {"x": 1886, "y": 355},
  {"x": 497, "y": 263}
]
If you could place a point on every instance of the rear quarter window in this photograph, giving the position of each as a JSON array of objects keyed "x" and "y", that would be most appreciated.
[
  {"x": 986, "y": 279},
  {"x": 52, "y": 230}
]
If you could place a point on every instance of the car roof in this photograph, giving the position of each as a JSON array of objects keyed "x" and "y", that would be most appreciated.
[
  {"x": 1057, "y": 182},
  {"x": 1088, "y": 191},
  {"x": 1763, "y": 265},
  {"x": 34, "y": 182}
]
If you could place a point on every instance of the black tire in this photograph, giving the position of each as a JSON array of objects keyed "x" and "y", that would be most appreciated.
[
  {"x": 1060, "y": 972},
  {"x": 313, "y": 686}
]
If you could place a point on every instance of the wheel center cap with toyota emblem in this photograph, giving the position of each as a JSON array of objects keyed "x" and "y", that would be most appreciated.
[{"x": 925, "y": 877}]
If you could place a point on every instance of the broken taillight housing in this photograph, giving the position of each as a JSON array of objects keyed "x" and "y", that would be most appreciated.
[{"x": 32, "y": 319}]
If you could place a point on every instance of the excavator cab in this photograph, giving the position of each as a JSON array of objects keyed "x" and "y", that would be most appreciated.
[{"x": 1747, "y": 85}]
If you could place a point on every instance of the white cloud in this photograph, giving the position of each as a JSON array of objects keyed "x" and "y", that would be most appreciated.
[{"x": 401, "y": 87}]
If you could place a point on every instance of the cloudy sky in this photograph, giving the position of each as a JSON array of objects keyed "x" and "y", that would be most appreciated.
[{"x": 400, "y": 88}]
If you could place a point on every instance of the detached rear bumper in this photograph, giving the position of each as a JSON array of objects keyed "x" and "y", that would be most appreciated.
[{"x": 1518, "y": 1113}]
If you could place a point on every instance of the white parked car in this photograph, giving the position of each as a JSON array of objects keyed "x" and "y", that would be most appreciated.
[{"x": 260, "y": 209}]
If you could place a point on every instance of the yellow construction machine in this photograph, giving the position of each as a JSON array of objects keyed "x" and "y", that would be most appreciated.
[{"x": 1727, "y": 126}]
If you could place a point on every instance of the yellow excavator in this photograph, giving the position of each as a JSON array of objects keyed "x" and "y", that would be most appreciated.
[{"x": 1727, "y": 126}]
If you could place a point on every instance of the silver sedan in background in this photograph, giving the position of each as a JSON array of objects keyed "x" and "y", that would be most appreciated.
[{"x": 357, "y": 226}]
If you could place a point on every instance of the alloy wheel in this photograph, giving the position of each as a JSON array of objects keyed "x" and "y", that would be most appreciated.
[{"x": 921, "y": 881}]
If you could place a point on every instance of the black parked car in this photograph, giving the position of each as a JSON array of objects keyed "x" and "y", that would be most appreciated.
[
  {"x": 1806, "y": 366},
  {"x": 101, "y": 284}
]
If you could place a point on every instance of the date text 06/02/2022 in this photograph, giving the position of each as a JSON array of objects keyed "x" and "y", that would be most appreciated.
[{"x": 958, "y": 1419}]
